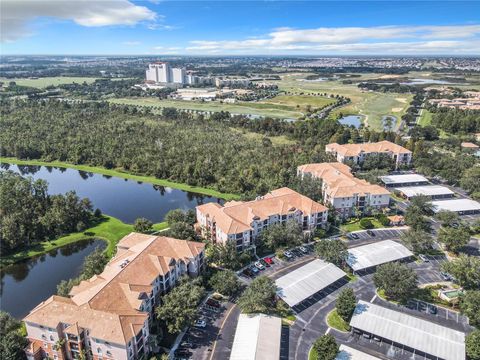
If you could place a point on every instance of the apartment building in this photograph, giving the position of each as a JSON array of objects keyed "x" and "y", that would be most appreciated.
[
  {"x": 242, "y": 222},
  {"x": 108, "y": 316},
  {"x": 357, "y": 153},
  {"x": 161, "y": 72},
  {"x": 345, "y": 192}
]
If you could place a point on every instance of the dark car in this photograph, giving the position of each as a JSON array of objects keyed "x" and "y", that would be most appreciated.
[
  {"x": 371, "y": 233},
  {"x": 264, "y": 263},
  {"x": 247, "y": 272},
  {"x": 213, "y": 303},
  {"x": 354, "y": 236},
  {"x": 432, "y": 309},
  {"x": 411, "y": 305}
]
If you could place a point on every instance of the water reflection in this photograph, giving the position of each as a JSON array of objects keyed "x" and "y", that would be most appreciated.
[
  {"x": 121, "y": 198},
  {"x": 27, "y": 283}
]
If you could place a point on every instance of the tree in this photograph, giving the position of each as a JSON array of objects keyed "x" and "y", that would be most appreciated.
[
  {"x": 423, "y": 204},
  {"x": 472, "y": 345},
  {"x": 142, "y": 225},
  {"x": 12, "y": 342},
  {"x": 454, "y": 238},
  {"x": 416, "y": 219},
  {"x": 259, "y": 297},
  {"x": 280, "y": 235},
  {"x": 225, "y": 282},
  {"x": 447, "y": 218},
  {"x": 326, "y": 347},
  {"x": 345, "y": 303},
  {"x": 465, "y": 269},
  {"x": 178, "y": 215},
  {"x": 366, "y": 223},
  {"x": 417, "y": 240},
  {"x": 226, "y": 256},
  {"x": 309, "y": 186},
  {"x": 470, "y": 306},
  {"x": 180, "y": 306},
  {"x": 334, "y": 251},
  {"x": 396, "y": 279},
  {"x": 181, "y": 230}
]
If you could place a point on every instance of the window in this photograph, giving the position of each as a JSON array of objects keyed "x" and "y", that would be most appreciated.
[{"x": 51, "y": 338}]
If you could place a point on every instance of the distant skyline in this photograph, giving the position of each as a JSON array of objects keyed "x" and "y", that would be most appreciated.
[{"x": 155, "y": 27}]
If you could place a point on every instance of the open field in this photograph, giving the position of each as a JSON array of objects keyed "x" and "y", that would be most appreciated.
[
  {"x": 123, "y": 175},
  {"x": 47, "y": 81},
  {"x": 425, "y": 118},
  {"x": 302, "y": 101},
  {"x": 108, "y": 229},
  {"x": 373, "y": 105},
  {"x": 276, "y": 140},
  {"x": 247, "y": 108}
]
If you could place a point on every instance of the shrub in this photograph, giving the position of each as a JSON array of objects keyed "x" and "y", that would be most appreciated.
[
  {"x": 366, "y": 224},
  {"x": 383, "y": 219}
]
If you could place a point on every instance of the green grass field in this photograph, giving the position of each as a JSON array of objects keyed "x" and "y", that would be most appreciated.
[
  {"x": 425, "y": 118},
  {"x": 335, "y": 321},
  {"x": 373, "y": 105},
  {"x": 47, "y": 81},
  {"x": 123, "y": 175},
  {"x": 108, "y": 229},
  {"x": 248, "y": 108},
  {"x": 354, "y": 225}
]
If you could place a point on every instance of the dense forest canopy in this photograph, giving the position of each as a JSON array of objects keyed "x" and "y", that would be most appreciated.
[
  {"x": 456, "y": 121},
  {"x": 28, "y": 214},
  {"x": 187, "y": 149}
]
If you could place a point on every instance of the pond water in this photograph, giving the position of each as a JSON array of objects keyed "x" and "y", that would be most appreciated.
[
  {"x": 25, "y": 284},
  {"x": 425, "y": 81},
  {"x": 354, "y": 120},
  {"x": 120, "y": 198}
]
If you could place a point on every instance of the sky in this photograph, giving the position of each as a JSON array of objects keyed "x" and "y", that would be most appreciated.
[{"x": 156, "y": 27}]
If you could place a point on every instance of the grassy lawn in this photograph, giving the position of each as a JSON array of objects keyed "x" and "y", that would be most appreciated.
[
  {"x": 373, "y": 105},
  {"x": 354, "y": 225},
  {"x": 124, "y": 175},
  {"x": 301, "y": 100},
  {"x": 426, "y": 118},
  {"x": 248, "y": 108},
  {"x": 108, "y": 229},
  {"x": 47, "y": 81},
  {"x": 335, "y": 321},
  {"x": 312, "y": 355}
]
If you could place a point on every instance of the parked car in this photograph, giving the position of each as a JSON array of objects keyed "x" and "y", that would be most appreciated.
[
  {"x": 254, "y": 270},
  {"x": 288, "y": 254},
  {"x": 296, "y": 252},
  {"x": 186, "y": 344},
  {"x": 268, "y": 260},
  {"x": 371, "y": 233},
  {"x": 411, "y": 304},
  {"x": 264, "y": 263},
  {"x": 303, "y": 249},
  {"x": 446, "y": 276},
  {"x": 432, "y": 309},
  {"x": 259, "y": 265},
  {"x": 248, "y": 272},
  {"x": 424, "y": 258},
  {"x": 455, "y": 225},
  {"x": 182, "y": 353},
  {"x": 422, "y": 306},
  {"x": 200, "y": 323},
  {"x": 354, "y": 236}
]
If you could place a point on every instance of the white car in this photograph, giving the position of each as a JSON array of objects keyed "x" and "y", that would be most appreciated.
[
  {"x": 303, "y": 249},
  {"x": 200, "y": 323},
  {"x": 424, "y": 258},
  {"x": 259, "y": 265},
  {"x": 288, "y": 254}
]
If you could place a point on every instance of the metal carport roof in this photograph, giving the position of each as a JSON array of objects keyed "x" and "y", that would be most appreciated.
[
  {"x": 408, "y": 330},
  {"x": 307, "y": 280}
]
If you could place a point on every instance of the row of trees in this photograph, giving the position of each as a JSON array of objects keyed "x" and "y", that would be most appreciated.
[{"x": 28, "y": 214}]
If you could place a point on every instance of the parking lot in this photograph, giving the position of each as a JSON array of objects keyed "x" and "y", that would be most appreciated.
[{"x": 356, "y": 238}]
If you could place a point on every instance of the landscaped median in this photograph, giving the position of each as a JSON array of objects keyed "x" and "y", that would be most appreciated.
[
  {"x": 336, "y": 322},
  {"x": 123, "y": 175},
  {"x": 108, "y": 229},
  {"x": 354, "y": 224}
]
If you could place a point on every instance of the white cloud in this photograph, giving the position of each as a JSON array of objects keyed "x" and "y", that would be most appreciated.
[
  {"x": 380, "y": 39},
  {"x": 17, "y": 14}
]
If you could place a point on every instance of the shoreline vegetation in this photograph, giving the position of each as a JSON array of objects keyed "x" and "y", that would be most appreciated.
[
  {"x": 109, "y": 229},
  {"x": 123, "y": 175}
]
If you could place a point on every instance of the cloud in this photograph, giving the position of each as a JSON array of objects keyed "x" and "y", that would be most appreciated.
[
  {"x": 17, "y": 14},
  {"x": 381, "y": 39}
]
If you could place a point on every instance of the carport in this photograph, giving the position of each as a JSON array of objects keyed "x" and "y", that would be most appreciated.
[
  {"x": 307, "y": 280},
  {"x": 349, "y": 353},
  {"x": 408, "y": 332},
  {"x": 432, "y": 191},
  {"x": 257, "y": 337},
  {"x": 403, "y": 180},
  {"x": 460, "y": 206},
  {"x": 367, "y": 257}
]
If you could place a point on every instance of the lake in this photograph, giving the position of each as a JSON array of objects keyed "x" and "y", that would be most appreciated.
[
  {"x": 354, "y": 120},
  {"x": 25, "y": 284},
  {"x": 120, "y": 198}
]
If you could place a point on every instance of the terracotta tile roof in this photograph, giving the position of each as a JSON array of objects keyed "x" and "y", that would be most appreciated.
[
  {"x": 108, "y": 326},
  {"x": 108, "y": 304},
  {"x": 237, "y": 216},
  {"x": 339, "y": 182},
  {"x": 356, "y": 149}
]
